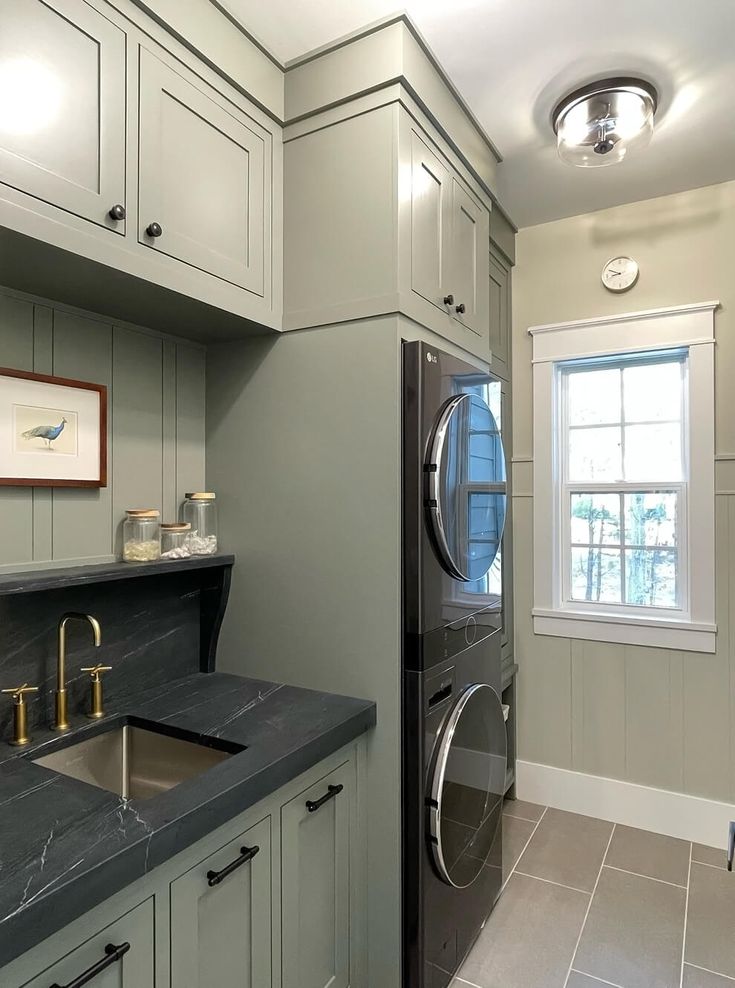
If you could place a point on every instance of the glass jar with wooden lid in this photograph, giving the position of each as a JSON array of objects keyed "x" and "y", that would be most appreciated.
[
  {"x": 200, "y": 511},
  {"x": 174, "y": 539},
  {"x": 142, "y": 535}
]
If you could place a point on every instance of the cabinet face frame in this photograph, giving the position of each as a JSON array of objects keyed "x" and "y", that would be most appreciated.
[
  {"x": 335, "y": 817},
  {"x": 40, "y": 182},
  {"x": 135, "y": 970},
  {"x": 236, "y": 898},
  {"x": 159, "y": 81}
]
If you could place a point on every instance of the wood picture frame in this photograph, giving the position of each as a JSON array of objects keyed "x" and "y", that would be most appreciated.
[{"x": 25, "y": 449}]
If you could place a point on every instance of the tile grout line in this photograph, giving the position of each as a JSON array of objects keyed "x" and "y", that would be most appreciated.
[
  {"x": 589, "y": 906},
  {"x": 706, "y": 864},
  {"x": 530, "y": 838},
  {"x": 510, "y": 874},
  {"x": 637, "y": 874},
  {"x": 613, "y": 984},
  {"x": 686, "y": 917},
  {"x": 698, "y": 967},
  {"x": 548, "y": 881}
]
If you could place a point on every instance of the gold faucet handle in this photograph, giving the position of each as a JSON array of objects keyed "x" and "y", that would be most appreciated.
[
  {"x": 20, "y": 713},
  {"x": 97, "y": 709},
  {"x": 96, "y": 671},
  {"x": 18, "y": 692}
]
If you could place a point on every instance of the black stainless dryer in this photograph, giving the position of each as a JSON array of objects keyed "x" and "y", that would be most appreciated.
[{"x": 454, "y": 739}]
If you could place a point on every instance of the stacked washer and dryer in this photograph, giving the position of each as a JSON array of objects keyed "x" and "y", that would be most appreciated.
[{"x": 454, "y": 737}]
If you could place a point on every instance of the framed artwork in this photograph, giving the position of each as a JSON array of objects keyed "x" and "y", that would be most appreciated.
[{"x": 53, "y": 431}]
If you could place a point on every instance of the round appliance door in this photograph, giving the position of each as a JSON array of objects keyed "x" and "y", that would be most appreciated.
[
  {"x": 467, "y": 786},
  {"x": 466, "y": 499}
]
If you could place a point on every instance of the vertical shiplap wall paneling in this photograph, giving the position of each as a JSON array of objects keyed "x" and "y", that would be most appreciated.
[
  {"x": 16, "y": 503},
  {"x": 137, "y": 423},
  {"x": 169, "y": 504},
  {"x": 82, "y": 519},
  {"x": 43, "y": 362},
  {"x": 190, "y": 423},
  {"x": 156, "y": 427}
]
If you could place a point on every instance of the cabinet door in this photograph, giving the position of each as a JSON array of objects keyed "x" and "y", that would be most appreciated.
[
  {"x": 499, "y": 310},
  {"x": 202, "y": 177},
  {"x": 430, "y": 223},
  {"x": 470, "y": 233},
  {"x": 62, "y": 106},
  {"x": 315, "y": 884},
  {"x": 128, "y": 965},
  {"x": 221, "y": 917}
]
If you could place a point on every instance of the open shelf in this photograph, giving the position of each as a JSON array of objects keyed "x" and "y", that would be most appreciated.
[{"x": 57, "y": 577}]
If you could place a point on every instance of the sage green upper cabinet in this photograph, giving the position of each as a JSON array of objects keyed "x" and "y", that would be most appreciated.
[
  {"x": 131, "y": 966},
  {"x": 430, "y": 222},
  {"x": 500, "y": 313},
  {"x": 221, "y": 916},
  {"x": 62, "y": 108},
  {"x": 202, "y": 177},
  {"x": 381, "y": 216},
  {"x": 316, "y": 884},
  {"x": 470, "y": 232}
]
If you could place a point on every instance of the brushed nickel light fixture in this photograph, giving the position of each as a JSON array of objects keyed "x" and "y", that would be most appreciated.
[{"x": 601, "y": 123}]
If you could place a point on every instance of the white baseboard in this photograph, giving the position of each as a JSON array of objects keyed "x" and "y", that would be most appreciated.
[{"x": 676, "y": 814}]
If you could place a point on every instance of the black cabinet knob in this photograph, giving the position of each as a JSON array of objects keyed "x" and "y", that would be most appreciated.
[
  {"x": 449, "y": 299},
  {"x": 460, "y": 308},
  {"x": 117, "y": 212},
  {"x": 154, "y": 230}
]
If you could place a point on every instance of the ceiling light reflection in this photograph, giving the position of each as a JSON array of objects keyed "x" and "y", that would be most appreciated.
[{"x": 30, "y": 96}]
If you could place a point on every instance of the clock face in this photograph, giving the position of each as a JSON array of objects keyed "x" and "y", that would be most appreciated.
[{"x": 620, "y": 274}]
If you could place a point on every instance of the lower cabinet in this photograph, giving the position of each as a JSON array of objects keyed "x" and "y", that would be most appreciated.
[
  {"x": 275, "y": 898},
  {"x": 221, "y": 917},
  {"x": 120, "y": 956},
  {"x": 315, "y": 884}
]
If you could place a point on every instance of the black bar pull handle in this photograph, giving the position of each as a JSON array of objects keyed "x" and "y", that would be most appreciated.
[
  {"x": 246, "y": 854},
  {"x": 112, "y": 954},
  {"x": 313, "y": 805}
]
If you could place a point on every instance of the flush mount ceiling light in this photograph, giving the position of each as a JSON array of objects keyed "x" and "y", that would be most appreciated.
[{"x": 602, "y": 122}]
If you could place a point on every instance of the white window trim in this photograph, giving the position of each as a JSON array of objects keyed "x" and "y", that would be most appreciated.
[{"x": 690, "y": 326}]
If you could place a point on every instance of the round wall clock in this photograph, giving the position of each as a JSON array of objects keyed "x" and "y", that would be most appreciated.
[{"x": 620, "y": 274}]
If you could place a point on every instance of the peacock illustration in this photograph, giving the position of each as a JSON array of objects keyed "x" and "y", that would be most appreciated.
[{"x": 47, "y": 432}]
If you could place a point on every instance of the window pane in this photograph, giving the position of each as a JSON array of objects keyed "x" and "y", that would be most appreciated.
[
  {"x": 650, "y": 519},
  {"x": 595, "y": 518},
  {"x": 653, "y": 452},
  {"x": 650, "y": 577},
  {"x": 596, "y": 575},
  {"x": 594, "y": 396},
  {"x": 594, "y": 454},
  {"x": 652, "y": 392}
]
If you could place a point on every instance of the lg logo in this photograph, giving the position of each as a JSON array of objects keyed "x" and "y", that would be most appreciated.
[{"x": 431, "y": 357}]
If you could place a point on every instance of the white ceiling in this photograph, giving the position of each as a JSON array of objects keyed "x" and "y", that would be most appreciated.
[{"x": 512, "y": 60}]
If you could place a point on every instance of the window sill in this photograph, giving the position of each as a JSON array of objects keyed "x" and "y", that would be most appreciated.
[{"x": 687, "y": 636}]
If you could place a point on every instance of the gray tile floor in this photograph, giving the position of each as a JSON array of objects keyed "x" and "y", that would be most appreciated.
[{"x": 588, "y": 903}]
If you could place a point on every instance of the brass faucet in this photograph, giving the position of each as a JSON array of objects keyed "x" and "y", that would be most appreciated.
[{"x": 62, "y": 719}]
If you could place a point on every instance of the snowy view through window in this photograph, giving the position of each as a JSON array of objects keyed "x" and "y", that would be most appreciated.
[{"x": 625, "y": 490}]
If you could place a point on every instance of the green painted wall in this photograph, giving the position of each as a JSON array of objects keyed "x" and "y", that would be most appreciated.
[
  {"x": 650, "y": 716},
  {"x": 155, "y": 428}
]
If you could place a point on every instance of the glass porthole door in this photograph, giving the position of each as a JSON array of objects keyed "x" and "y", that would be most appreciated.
[
  {"x": 465, "y": 487},
  {"x": 467, "y": 785}
]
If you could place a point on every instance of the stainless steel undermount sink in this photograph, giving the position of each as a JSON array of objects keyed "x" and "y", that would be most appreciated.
[{"x": 138, "y": 760}]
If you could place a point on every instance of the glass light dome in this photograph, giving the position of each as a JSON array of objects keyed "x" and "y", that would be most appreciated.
[{"x": 602, "y": 123}]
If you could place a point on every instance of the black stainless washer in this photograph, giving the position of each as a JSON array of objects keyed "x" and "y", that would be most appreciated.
[{"x": 454, "y": 738}]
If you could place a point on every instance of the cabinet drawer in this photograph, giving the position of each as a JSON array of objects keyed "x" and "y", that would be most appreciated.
[
  {"x": 204, "y": 177},
  {"x": 62, "y": 120},
  {"x": 316, "y": 883},
  {"x": 221, "y": 916},
  {"x": 133, "y": 969}
]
